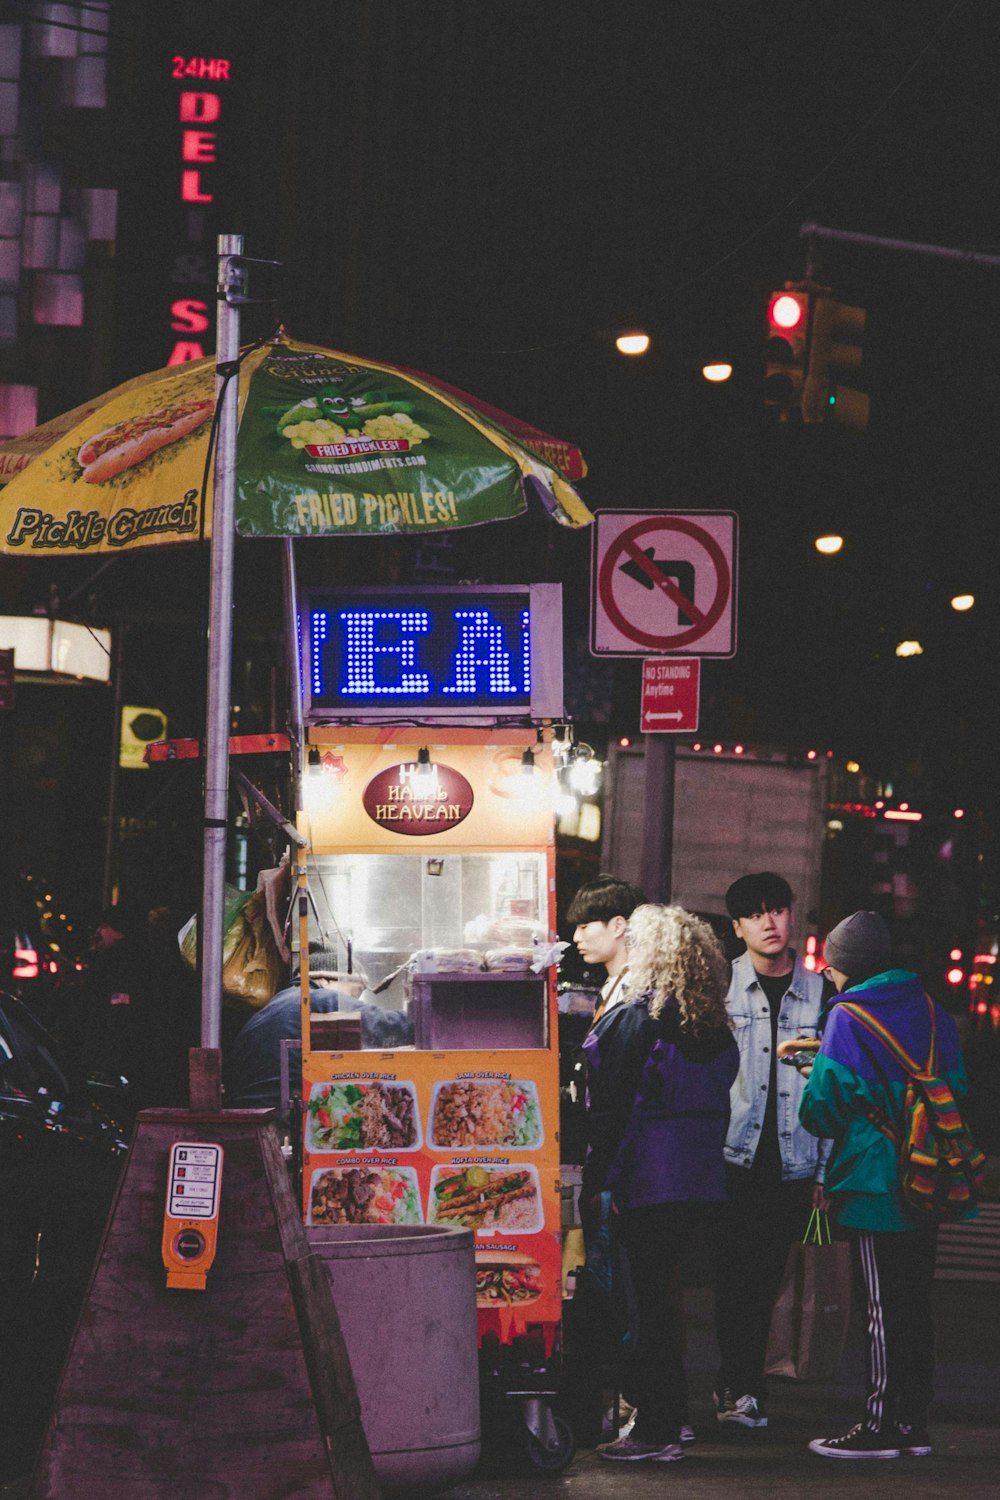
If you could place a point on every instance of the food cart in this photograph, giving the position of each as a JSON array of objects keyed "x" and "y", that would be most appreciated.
[{"x": 433, "y": 746}]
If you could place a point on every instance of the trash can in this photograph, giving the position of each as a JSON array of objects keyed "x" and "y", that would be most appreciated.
[{"x": 407, "y": 1303}]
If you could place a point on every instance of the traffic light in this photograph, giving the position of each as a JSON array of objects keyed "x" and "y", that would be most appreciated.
[
  {"x": 835, "y": 357},
  {"x": 788, "y": 318}
]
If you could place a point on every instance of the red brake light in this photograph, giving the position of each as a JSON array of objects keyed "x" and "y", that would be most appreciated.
[{"x": 25, "y": 964}]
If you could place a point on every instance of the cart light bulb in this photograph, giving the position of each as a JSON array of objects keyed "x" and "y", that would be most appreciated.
[
  {"x": 527, "y": 763},
  {"x": 426, "y": 771},
  {"x": 315, "y": 764}
]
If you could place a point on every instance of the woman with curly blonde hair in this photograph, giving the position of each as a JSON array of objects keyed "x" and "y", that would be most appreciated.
[
  {"x": 659, "y": 1071},
  {"x": 673, "y": 953}
]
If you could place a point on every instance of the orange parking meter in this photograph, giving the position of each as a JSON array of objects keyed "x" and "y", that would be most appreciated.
[{"x": 191, "y": 1215}]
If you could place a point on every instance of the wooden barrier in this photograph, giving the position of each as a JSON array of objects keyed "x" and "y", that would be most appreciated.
[{"x": 242, "y": 1390}]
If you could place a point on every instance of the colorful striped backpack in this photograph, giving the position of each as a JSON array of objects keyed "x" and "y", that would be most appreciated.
[{"x": 940, "y": 1166}]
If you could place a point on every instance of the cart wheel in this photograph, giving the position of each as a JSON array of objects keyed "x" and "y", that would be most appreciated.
[{"x": 557, "y": 1456}]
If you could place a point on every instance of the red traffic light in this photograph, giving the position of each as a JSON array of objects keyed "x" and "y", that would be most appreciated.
[{"x": 788, "y": 311}]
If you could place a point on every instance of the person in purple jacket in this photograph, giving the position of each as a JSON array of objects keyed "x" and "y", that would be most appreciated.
[{"x": 658, "y": 1081}]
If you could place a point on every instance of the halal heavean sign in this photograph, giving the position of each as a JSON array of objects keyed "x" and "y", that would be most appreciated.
[{"x": 417, "y": 799}]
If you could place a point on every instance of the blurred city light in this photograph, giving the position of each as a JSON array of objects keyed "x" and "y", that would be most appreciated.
[
  {"x": 909, "y": 648},
  {"x": 717, "y": 372},
  {"x": 632, "y": 343},
  {"x": 829, "y": 544},
  {"x": 962, "y": 602},
  {"x": 853, "y": 767}
]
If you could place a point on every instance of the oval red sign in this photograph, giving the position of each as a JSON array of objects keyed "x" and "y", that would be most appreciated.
[{"x": 414, "y": 799}]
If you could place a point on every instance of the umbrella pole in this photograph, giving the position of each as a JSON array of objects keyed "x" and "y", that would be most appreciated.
[
  {"x": 220, "y": 658},
  {"x": 295, "y": 722}
]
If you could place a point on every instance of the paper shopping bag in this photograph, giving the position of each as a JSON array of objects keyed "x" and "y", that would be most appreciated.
[{"x": 813, "y": 1307}]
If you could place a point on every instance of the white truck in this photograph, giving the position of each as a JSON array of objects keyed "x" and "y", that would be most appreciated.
[{"x": 733, "y": 814}]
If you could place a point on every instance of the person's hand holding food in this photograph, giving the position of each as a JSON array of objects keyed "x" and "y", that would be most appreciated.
[{"x": 799, "y": 1052}]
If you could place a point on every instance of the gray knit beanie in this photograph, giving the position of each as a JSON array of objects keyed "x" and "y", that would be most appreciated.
[{"x": 859, "y": 945}]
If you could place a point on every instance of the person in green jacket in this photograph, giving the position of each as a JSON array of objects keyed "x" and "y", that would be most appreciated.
[{"x": 854, "y": 1082}]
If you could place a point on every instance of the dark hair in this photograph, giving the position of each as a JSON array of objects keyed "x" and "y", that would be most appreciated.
[
  {"x": 753, "y": 893},
  {"x": 601, "y": 899}
]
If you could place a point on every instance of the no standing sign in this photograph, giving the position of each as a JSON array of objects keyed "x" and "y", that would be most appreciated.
[{"x": 664, "y": 581}]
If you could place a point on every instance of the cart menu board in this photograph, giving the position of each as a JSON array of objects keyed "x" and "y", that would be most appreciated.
[{"x": 457, "y": 1138}]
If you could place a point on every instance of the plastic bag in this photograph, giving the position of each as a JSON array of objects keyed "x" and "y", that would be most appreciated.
[
  {"x": 254, "y": 970},
  {"x": 232, "y": 927}
]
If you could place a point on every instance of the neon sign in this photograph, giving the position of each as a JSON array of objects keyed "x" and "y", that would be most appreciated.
[
  {"x": 198, "y": 110},
  {"x": 433, "y": 653}
]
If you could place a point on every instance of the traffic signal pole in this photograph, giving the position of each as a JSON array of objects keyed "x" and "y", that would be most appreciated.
[{"x": 813, "y": 232}]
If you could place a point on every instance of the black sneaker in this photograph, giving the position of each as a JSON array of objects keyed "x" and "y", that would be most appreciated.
[
  {"x": 746, "y": 1411},
  {"x": 914, "y": 1442},
  {"x": 860, "y": 1442}
]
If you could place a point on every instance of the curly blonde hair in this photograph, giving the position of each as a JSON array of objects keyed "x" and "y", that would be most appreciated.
[{"x": 672, "y": 952}]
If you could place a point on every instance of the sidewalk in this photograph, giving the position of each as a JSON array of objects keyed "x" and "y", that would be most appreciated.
[{"x": 728, "y": 1464}]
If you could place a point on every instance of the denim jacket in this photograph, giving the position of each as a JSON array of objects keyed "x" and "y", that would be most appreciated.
[{"x": 802, "y": 1155}]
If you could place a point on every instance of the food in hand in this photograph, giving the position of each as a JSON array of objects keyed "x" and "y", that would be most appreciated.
[
  {"x": 364, "y": 1195},
  {"x": 128, "y": 443},
  {"x": 486, "y": 1112},
  {"x": 504, "y": 1278},
  {"x": 359, "y": 1116},
  {"x": 798, "y": 1044},
  {"x": 487, "y": 1198}
]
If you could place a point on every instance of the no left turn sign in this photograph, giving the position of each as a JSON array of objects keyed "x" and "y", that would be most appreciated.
[{"x": 664, "y": 581}]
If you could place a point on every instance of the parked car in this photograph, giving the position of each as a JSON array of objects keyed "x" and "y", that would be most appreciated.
[
  {"x": 62, "y": 1143},
  {"x": 42, "y": 949}
]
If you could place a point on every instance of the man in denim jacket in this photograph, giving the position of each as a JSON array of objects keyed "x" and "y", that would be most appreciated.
[{"x": 774, "y": 1167}]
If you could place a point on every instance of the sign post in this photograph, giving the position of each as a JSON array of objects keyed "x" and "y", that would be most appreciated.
[{"x": 664, "y": 582}]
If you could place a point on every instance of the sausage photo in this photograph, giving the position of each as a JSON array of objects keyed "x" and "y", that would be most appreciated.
[
  {"x": 128, "y": 443},
  {"x": 506, "y": 1278}
]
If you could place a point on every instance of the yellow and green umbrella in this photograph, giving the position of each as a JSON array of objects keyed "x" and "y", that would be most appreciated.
[{"x": 329, "y": 444}]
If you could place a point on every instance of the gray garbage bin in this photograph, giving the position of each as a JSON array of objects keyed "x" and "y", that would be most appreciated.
[{"x": 407, "y": 1304}]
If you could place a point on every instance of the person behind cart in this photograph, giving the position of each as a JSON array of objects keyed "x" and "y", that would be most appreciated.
[
  {"x": 659, "y": 1075},
  {"x": 252, "y": 1067}
]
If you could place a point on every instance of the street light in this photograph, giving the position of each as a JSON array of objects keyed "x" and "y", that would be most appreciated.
[
  {"x": 829, "y": 544},
  {"x": 909, "y": 648},
  {"x": 962, "y": 602},
  {"x": 633, "y": 342},
  {"x": 717, "y": 371}
]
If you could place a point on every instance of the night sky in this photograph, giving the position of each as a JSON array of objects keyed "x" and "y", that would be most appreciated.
[{"x": 489, "y": 191}]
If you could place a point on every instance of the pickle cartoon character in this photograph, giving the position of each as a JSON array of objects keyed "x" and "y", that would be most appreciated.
[{"x": 329, "y": 417}]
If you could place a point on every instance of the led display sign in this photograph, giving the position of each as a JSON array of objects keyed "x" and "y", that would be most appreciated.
[{"x": 434, "y": 653}]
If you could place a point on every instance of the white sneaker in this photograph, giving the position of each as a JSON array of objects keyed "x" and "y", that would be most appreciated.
[
  {"x": 687, "y": 1433},
  {"x": 747, "y": 1411}
]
